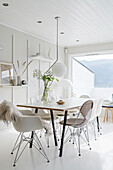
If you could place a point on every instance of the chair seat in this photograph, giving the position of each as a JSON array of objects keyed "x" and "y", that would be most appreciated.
[
  {"x": 75, "y": 122},
  {"x": 47, "y": 117},
  {"x": 60, "y": 114},
  {"x": 73, "y": 111},
  {"x": 27, "y": 113}
]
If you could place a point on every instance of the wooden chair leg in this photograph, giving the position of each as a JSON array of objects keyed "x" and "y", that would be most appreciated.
[
  {"x": 105, "y": 115},
  {"x": 112, "y": 114}
]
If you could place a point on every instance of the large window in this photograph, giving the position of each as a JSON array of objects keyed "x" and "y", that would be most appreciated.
[{"x": 102, "y": 66}]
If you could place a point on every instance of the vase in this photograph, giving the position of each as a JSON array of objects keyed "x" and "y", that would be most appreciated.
[
  {"x": 19, "y": 81},
  {"x": 44, "y": 98}
]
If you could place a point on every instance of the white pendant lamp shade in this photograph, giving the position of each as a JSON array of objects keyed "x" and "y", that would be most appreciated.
[
  {"x": 59, "y": 69},
  {"x": 65, "y": 83}
]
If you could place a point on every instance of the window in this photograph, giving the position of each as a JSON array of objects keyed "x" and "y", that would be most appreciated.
[{"x": 101, "y": 66}]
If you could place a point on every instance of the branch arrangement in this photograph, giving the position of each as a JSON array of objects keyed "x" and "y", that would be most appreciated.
[
  {"x": 21, "y": 68},
  {"x": 47, "y": 78}
]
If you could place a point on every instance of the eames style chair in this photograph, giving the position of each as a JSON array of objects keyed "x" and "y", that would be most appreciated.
[
  {"x": 27, "y": 124},
  {"x": 84, "y": 96},
  {"x": 94, "y": 119},
  {"x": 45, "y": 118},
  {"x": 79, "y": 125},
  {"x": 98, "y": 112}
]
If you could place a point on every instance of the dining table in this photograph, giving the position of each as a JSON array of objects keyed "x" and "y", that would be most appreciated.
[{"x": 69, "y": 104}]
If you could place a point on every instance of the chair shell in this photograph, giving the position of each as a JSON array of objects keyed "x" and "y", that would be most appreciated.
[
  {"x": 28, "y": 123},
  {"x": 24, "y": 124}
]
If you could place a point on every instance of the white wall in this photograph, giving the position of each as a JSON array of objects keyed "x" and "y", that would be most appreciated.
[
  {"x": 20, "y": 46},
  {"x": 83, "y": 79}
]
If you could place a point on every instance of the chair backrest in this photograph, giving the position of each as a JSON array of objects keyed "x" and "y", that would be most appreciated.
[
  {"x": 94, "y": 109},
  {"x": 84, "y": 96},
  {"x": 27, "y": 123},
  {"x": 99, "y": 107},
  {"x": 34, "y": 100},
  {"x": 86, "y": 108}
]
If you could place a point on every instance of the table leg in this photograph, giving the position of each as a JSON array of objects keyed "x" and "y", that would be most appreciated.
[
  {"x": 31, "y": 143},
  {"x": 32, "y": 133},
  {"x": 63, "y": 132},
  {"x": 53, "y": 125},
  {"x": 98, "y": 126}
]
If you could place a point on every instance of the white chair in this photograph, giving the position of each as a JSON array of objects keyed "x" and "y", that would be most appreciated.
[
  {"x": 27, "y": 124},
  {"x": 98, "y": 112},
  {"x": 84, "y": 96},
  {"x": 46, "y": 119},
  {"x": 94, "y": 119}
]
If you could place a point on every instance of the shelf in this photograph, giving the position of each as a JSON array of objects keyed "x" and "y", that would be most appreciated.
[
  {"x": 40, "y": 58},
  {"x": 13, "y": 86}
]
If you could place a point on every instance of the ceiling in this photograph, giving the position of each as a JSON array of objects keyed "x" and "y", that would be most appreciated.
[{"x": 89, "y": 21}]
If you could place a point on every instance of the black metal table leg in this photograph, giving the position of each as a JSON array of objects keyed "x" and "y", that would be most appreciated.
[
  {"x": 53, "y": 125},
  {"x": 32, "y": 133},
  {"x": 98, "y": 126},
  {"x": 31, "y": 143},
  {"x": 63, "y": 132}
]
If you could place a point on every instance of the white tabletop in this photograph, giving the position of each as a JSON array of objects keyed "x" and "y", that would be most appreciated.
[{"x": 70, "y": 103}]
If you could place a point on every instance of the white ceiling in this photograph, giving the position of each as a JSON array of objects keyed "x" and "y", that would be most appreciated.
[{"x": 89, "y": 21}]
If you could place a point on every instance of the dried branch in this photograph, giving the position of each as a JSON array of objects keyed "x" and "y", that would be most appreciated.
[
  {"x": 24, "y": 63},
  {"x": 27, "y": 67},
  {"x": 18, "y": 64},
  {"x": 15, "y": 69}
]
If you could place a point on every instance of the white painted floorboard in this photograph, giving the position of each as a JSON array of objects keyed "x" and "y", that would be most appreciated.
[{"x": 99, "y": 158}]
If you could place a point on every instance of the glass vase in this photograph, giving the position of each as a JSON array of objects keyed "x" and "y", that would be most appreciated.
[{"x": 44, "y": 98}]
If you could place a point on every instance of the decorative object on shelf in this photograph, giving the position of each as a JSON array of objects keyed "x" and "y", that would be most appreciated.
[
  {"x": 49, "y": 53},
  {"x": 23, "y": 82},
  {"x": 21, "y": 70},
  {"x": 6, "y": 73},
  {"x": 58, "y": 68},
  {"x": 19, "y": 81},
  {"x": 48, "y": 79},
  {"x": 12, "y": 82},
  {"x": 37, "y": 54},
  {"x": 60, "y": 102}
]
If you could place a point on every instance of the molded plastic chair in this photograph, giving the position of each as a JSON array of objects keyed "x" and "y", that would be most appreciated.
[
  {"x": 46, "y": 119},
  {"x": 27, "y": 124},
  {"x": 84, "y": 96},
  {"x": 96, "y": 111}
]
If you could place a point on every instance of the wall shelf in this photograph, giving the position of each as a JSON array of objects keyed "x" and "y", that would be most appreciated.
[
  {"x": 41, "y": 58},
  {"x": 5, "y": 86}
]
